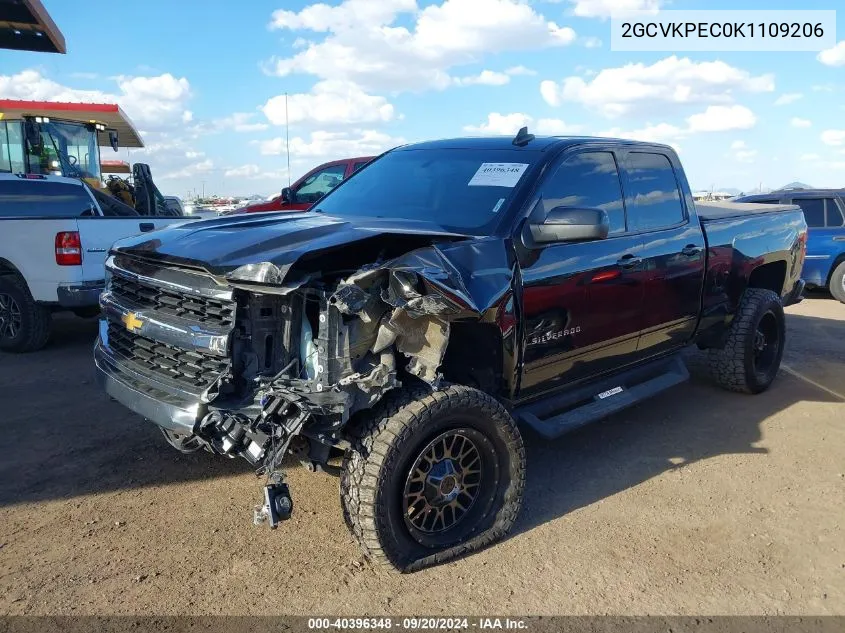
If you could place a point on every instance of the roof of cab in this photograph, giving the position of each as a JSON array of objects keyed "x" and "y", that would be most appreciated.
[{"x": 541, "y": 143}]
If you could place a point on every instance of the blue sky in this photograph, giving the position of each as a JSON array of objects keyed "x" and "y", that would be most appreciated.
[{"x": 205, "y": 85}]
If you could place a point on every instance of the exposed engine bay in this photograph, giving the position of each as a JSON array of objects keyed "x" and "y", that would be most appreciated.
[{"x": 308, "y": 350}]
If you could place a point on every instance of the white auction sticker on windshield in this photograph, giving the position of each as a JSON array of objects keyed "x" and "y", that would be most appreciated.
[{"x": 498, "y": 175}]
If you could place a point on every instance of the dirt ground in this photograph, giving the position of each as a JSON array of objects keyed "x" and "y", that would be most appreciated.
[{"x": 698, "y": 502}]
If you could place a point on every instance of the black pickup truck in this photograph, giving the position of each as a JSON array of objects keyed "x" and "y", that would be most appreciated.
[{"x": 399, "y": 333}]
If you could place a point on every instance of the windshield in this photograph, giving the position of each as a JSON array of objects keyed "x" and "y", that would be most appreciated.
[
  {"x": 462, "y": 190},
  {"x": 69, "y": 149}
]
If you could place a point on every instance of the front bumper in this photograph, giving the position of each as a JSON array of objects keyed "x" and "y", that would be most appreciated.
[
  {"x": 84, "y": 295},
  {"x": 156, "y": 402}
]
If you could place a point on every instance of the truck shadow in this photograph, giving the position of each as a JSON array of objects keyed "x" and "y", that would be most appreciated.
[
  {"x": 70, "y": 439},
  {"x": 694, "y": 422},
  {"x": 65, "y": 438}
]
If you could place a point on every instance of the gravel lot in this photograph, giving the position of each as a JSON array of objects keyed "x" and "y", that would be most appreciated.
[{"x": 700, "y": 501}]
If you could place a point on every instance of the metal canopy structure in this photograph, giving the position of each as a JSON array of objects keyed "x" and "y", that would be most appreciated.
[
  {"x": 109, "y": 114},
  {"x": 25, "y": 25}
]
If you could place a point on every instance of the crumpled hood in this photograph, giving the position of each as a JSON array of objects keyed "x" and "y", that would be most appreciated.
[
  {"x": 475, "y": 270},
  {"x": 221, "y": 245}
]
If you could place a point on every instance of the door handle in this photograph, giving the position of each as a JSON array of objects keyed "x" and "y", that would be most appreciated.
[
  {"x": 690, "y": 250},
  {"x": 628, "y": 261},
  {"x": 147, "y": 227}
]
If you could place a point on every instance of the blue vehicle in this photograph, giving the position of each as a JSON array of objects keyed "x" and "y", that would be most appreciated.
[{"x": 824, "y": 210}]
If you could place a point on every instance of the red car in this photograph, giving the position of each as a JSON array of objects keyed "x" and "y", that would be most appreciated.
[{"x": 311, "y": 187}]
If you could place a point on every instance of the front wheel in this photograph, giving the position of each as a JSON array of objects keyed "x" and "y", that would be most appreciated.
[
  {"x": 837, "y": 283},
  {"x": 751, "y": 357},
  {"x": 432, "y": 476}
]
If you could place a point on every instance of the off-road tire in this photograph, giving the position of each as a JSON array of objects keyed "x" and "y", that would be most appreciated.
[
  {"x": 837, "y": 282},
  {"x": 36, "y": 319},
  {"x": 385, "y": 444},
  {"x": 734, "y": 367}
]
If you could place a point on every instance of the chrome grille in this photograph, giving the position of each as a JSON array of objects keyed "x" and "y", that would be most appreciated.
[
  {"x": 139, "y": 295},
  {"x": 189, "y": 370}
]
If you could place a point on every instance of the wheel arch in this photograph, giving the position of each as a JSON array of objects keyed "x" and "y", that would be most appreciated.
[
  {"x": 769, "y": 276},
  {"x": 840, "y": 259},
  {"x": 8, "y": 268}
]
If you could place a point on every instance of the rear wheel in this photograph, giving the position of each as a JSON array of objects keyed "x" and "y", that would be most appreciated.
[
  {"x": 432, "y": 476},
  {"x": 751, "y": 357},
  {"x": 837, "y": 282},
  {"x": 24, "y": 323}
]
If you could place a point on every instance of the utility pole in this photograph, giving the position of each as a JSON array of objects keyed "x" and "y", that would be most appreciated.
[
  {"x": 203, "y": 189},
  {"x": 287, "y": 135}
]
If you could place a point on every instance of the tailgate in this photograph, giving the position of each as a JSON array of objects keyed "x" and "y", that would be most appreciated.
[{"x": 29, "y": 244}]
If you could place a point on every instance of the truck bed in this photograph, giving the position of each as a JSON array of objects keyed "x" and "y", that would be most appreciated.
[{"x": 724, "y": 210}]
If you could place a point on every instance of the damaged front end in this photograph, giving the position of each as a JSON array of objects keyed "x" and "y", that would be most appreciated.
[
  {"x": 309, "y": 355},
  {"x": 306, "y": 351}
]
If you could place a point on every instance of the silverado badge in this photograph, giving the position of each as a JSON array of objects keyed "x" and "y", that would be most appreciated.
[{"x": 132, "y": 322}]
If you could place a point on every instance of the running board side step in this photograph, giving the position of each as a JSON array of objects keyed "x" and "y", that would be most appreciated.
[{"x": 562, "y": 413}]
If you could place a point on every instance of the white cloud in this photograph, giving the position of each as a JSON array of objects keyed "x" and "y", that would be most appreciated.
[
  {"x": 484, "y": 78},
  {"x": 799, "y": 122},
  {"x": 787, "y": 98},
  {"x": 493, "y": 77},
  {"x": 604, "y": 8},
  {"x": 509, "y": 124},
  {"x": 244, "y": 171},
  {"x": 323, "y": 18},
  {"x": 809, "y": 158},
  {"x": 833, "y": 56},
  {"x": 364, "y": 46},
  {"x": 252, "y": 171},
  {"x": 500, "y": 124},
  {"x": 154, "y": 102},
  {"x": 713, "y": 119},
  {"x": 722, "y": 118},
  {"x": 191, "y": 171},
  {"x": 241, "y": 122},
  {"x": 616, "y": 91},
  {"x": 520, "y": 70},
  {"x": 742, "y": 153},
  {"x": 659, "y": 133},
  {"x": 833, "y": 137},
  {"x": 330, "y": 102},
  {"x": 324, "y": 144},
  {"x": 154, "y": 99}
]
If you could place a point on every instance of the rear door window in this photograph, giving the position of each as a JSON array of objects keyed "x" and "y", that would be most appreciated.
[
  {"x": 813, "y": 209},
  {"x": 40, "y": 198},
  {"x": 652, "y": 197},
  {"x": 834, "y": 213}
]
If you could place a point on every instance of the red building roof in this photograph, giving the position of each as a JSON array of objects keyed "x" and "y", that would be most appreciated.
[{"x": 109, "y": 114}]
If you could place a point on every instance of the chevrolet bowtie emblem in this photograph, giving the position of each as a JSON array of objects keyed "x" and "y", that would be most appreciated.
[{"x": 132, "y": 322}]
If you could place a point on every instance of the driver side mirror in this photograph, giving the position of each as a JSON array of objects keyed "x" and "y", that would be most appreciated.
[
  {"x": 113, "y": 139},
  {"x": 287, "y": 195},
  {"x": 569, "y": 224}
]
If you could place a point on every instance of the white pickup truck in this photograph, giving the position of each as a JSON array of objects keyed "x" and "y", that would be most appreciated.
[{"x": 54, "y": 238}]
